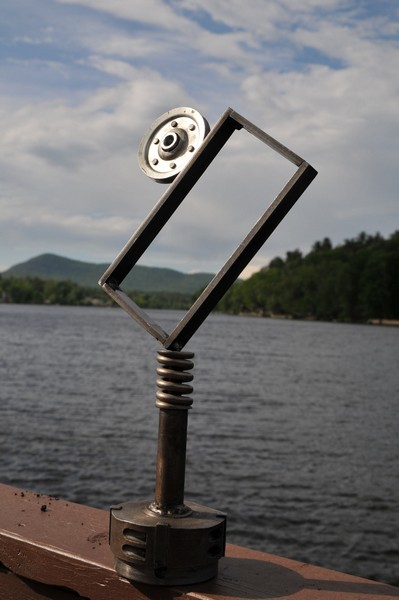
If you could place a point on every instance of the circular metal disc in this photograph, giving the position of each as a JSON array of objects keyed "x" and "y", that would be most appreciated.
[{"x": 170, "y": 143}]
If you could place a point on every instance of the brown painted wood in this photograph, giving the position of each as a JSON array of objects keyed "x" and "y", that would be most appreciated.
[
  {"x": 13, "y": 587},
  {"x": 51, "y": 548}
]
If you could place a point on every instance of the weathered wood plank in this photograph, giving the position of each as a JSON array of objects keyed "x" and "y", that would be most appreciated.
[
  {"x": 13, "y": 587},
  {"x": 50, "y": 548}
]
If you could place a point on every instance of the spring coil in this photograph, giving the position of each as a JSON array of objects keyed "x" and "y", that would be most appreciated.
[{"x": 173, "y": 381}]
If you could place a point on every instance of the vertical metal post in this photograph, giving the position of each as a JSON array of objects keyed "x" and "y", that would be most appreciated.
[
  {"x": 173, "y": 406},
  {"x": 171, "y": 460},
  {"x": 168, "y": 542}
]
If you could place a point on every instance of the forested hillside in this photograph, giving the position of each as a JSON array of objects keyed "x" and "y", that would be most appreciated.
[
  {"x": 353, "y": 282},
  {"x": 33, "y": 290},
  {"x": 141, "y": 278}
]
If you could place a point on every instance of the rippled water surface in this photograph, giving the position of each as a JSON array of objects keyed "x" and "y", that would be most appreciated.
[{"x": 294, "y": 431}]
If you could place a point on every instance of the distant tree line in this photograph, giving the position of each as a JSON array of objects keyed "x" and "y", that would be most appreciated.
[
  {"x": 353, "y": 282},
  {"x": 33, "y": 290}
]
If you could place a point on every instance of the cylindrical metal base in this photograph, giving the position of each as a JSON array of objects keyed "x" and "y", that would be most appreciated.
[{"x": 166, "y": 550}]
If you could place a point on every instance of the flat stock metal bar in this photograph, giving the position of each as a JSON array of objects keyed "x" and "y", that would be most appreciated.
[
  {"x": 241, "y": 257},
  {"x": 267, "y": 139},
  {"x": 229, "y": 122},
  {"x": 137, "y": 313},
  {"x": 170, "y": 201}
]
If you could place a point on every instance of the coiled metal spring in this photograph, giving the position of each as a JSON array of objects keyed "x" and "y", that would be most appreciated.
[{"x": 173, "y": 381}]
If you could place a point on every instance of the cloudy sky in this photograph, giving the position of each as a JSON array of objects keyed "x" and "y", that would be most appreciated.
[{"x": 82, "y": 80}]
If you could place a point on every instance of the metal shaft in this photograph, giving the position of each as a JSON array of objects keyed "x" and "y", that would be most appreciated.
[
  {"x": 171, "y": 460},
  {"x": 172, "y": 432}
]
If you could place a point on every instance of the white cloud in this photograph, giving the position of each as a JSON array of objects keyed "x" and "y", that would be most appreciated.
[
  {"x": 259, "y": 17},
  {"x": 322, "y": 81},
  {"x": 148, "y": 12},
  {"x": 62, "y": 161}
]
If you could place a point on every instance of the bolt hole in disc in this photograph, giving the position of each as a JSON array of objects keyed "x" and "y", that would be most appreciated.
[{"x": 169, "y": 144}]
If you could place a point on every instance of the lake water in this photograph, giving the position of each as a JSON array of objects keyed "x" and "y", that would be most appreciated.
[{"x": 293, "y": 433}]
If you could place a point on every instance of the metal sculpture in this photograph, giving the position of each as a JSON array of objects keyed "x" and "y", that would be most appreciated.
[{"x": 168, "y": 541}]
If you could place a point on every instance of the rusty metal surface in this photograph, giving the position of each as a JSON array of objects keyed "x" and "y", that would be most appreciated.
[
  {"x": 172, "y": 400},
  {"x": 171, "y": 460},
  {"x": 176, "y": 135},
  {"x": 167, "y": 550},
  {"x": 66, "y": 546},
  {"x": 112, "y": 279},
  {"x": 167, "y": 541}
]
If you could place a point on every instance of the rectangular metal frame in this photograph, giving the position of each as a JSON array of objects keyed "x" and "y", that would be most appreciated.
[{"x": 229, "y": 122}]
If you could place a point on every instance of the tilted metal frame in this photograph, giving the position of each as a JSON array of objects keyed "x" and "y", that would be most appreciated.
[{"x": 229, "y": 122}]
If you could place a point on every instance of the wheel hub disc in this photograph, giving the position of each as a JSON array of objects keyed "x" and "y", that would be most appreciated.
[{"x": 170, "y": 143}]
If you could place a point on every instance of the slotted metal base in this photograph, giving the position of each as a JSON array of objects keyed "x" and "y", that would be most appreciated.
[{"x": 167, "y": 550}]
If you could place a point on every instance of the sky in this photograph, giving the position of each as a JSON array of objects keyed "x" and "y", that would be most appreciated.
[{"x": 81, "y": 81}]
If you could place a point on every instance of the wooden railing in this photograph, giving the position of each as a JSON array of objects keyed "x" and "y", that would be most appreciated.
[{"x": 53, "y": 549}]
